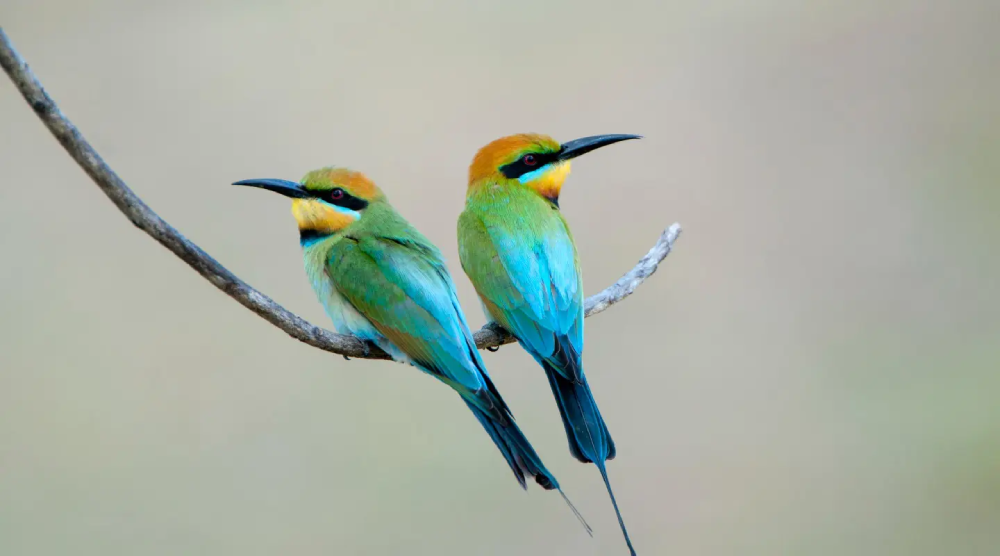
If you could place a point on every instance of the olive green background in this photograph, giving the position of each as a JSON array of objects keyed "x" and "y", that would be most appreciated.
[{"x": 814, "y": 371}]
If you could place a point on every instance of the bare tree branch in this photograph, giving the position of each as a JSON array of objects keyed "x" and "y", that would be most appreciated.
[
  {"x": 644, "y": 269},
  {"x": 490, "y": 336}
]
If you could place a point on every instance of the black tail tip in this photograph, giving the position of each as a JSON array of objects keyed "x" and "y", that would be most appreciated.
[{"x": 545, "y": 482}]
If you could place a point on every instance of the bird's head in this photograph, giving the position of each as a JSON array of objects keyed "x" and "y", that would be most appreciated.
[
  {"x": 533, "y": 160},
  {"x": 326, "y": 200}
]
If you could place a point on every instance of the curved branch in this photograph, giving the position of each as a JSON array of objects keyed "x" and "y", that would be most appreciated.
[{"x": 143, "y": 217}]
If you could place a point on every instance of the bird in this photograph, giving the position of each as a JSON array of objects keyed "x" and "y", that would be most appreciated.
[
  {"x": 516, "y": 248},
  {"x": 381, "y": 280}
]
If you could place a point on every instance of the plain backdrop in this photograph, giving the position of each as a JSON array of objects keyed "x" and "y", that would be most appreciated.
[{"x": 814, "y": 370}]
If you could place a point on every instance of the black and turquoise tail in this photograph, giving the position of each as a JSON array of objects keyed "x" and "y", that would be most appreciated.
[
  {"x": 588, "y": 436},
  {"x": 516, "y": 449}
]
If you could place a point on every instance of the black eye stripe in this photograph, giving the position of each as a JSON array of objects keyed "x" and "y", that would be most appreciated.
[
  {"x": 346, "y": 200},
  {"x": 518, "y": 168}
]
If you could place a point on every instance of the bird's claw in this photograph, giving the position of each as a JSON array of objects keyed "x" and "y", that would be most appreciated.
[{"x": 364, "y": 345}]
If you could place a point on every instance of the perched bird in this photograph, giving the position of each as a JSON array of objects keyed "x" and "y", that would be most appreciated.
[
  {"x": 517, "y": 249},
  {"x": 381, "y": 280}
]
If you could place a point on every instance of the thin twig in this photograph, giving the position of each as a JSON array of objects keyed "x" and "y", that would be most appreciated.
[
  {"x": 630, "y": 281},
  {"x": 490, "y": 336}
]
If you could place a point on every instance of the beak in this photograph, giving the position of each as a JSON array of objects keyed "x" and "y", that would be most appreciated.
[
  {"x": 577, "y": 147},
  {"x": 285, "y": 187}
]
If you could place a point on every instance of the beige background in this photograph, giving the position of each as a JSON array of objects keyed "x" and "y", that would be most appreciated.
[{"x": 813, "y": 371}]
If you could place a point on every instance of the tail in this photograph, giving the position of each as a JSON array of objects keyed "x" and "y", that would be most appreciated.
[
  {"x": 516, "y": 449},
  {"x": 589, "y": 439},
  {"x": 520, "y": 456},
  {"x": 604, "y": 474}
]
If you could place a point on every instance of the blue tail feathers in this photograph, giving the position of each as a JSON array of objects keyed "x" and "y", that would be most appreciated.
[
  {"x": 588, "y": 436},
  {"x": 516, "y": 449},
  {"x": 520, "y": 456}
]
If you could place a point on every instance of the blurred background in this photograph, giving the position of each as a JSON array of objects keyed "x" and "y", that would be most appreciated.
[{"x": 814, "y": 370}]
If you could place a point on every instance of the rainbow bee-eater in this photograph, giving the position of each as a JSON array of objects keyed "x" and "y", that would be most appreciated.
[
  {"x": 382, "y": 281},
  {"x": 517, "y": 249}
]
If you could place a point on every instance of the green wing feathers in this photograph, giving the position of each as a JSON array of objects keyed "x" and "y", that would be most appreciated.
[{"x": 402, "y": 287}]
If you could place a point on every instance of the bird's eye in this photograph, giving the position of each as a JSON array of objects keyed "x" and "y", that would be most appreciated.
[
  {"x": 529, "y": 160},
  {"x": 337, "y": 194}
]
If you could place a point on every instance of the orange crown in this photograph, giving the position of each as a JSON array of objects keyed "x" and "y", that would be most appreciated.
[
  {"x": 505, "y": 150},
  {"x": 355, "y": 183}
]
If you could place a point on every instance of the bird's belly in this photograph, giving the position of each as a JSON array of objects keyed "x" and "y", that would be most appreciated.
[{"x": 348, "y": 320}]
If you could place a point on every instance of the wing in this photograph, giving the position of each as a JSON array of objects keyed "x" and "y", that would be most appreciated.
[
  {"x": 403, "y": 288},
  {"x": 524, "y": 267}
]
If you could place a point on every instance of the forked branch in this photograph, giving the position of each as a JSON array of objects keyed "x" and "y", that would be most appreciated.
[{"x": 144, "y": 218}]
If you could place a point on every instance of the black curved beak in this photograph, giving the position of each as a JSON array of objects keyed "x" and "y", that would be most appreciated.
[
  {"x": 576, "y": 147},
  {"x": 285, "y": 187}
]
